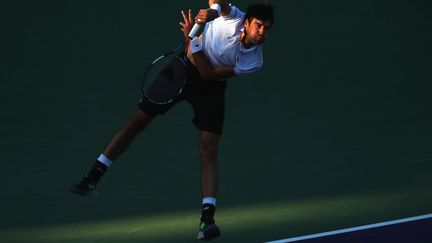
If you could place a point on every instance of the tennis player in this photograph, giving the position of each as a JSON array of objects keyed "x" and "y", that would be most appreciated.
[{"x": 230, "y": 45}]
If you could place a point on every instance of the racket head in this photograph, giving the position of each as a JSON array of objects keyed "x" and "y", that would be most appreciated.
[{"x": 164, "y": 79}]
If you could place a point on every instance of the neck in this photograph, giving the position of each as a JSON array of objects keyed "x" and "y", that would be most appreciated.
[{"x": 245, "y": 41}]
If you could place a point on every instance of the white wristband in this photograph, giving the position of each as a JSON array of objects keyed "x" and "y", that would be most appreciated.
[
  {"x": 195, "y": 45},
  {"x": 217, "y": 7}
]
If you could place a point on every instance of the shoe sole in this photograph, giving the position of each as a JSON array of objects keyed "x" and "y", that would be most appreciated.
[{"x": 92, "y": 193}]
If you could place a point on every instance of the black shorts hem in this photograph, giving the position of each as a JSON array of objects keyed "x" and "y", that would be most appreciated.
[
  {"x": 208, "y": 129},
  {"x": 153, "y": 109}
]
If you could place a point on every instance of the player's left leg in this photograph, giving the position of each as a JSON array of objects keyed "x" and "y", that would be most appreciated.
[{"x": 209, "y": 143}]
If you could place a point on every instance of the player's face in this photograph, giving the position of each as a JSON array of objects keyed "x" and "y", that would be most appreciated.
[{"x": 257, "y": 30}]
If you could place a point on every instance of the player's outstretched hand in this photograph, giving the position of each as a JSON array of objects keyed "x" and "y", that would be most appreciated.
[{"x": 188, "y": 23}]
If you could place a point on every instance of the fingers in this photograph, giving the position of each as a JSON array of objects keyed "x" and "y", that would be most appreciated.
[
  {"x": 201, "y": 17},
  {"x": 190, "y": 16},
  {"x": 181, "y": 23},
  {"x": 184, "y": 16},
  {"x": 186, "y": 24},
  {"x": 199, "y": 20},
  {"x": 202, "y": 12}
]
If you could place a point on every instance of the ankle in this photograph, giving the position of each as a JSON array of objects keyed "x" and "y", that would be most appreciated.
[
  {"x": 207, "y": 213},
  {"x": 97, "y": 171}
]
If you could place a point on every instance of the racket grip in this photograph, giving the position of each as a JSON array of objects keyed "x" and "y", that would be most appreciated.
[{"x": 196, "y": 30}]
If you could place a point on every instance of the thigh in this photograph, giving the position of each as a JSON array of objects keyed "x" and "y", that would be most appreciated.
[{"x": 209, "y": 110}]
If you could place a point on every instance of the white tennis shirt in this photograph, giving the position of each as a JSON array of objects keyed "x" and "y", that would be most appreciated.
[{"x": 222, "y": 47}]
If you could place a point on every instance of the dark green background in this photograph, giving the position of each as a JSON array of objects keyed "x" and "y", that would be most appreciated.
[{"x": 341, "y": 109}]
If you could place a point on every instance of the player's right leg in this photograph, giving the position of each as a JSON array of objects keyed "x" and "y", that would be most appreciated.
[{"x": 118, "y": 144}]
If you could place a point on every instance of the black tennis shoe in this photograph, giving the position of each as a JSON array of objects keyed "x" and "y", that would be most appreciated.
[
  {"x": 208, "y": 230},
  {"x": 86, "y": 187}
]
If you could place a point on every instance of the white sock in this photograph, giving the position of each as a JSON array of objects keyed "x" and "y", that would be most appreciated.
[
  {"x": 209, "y": 200},
  {"x": 105, "y": 160}
]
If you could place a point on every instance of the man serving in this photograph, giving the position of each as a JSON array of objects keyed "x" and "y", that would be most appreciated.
[{"x": 230, "y": 45}]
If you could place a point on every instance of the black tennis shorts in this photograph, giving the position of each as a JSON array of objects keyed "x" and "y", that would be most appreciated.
[{"x": 207, "y": 99}]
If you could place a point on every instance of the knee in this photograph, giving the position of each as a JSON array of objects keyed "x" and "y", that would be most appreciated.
[
  {"x": 138, "y": 122},
  {"x": 208, "y": 151}
]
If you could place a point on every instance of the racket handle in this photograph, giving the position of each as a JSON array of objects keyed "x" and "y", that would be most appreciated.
[{"x": 196, "y": 30}]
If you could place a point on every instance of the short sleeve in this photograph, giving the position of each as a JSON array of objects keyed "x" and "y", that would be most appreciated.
[
  {"x": 242, "y": 69},
  {"x": 248, "y": 61}
]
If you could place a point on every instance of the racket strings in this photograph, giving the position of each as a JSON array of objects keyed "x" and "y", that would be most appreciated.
[{"x": 167, "y": 83}]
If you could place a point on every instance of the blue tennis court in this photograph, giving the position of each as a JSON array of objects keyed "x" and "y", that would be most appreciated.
[{"x": 414, "y": 229}]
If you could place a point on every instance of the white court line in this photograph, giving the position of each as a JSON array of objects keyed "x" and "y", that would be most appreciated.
[{"x": 369, "y": 226}]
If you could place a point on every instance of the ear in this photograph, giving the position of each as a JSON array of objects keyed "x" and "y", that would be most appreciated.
[{"x": 246, "y": 23}]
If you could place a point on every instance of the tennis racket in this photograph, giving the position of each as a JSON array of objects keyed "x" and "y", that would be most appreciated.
[{"x": 164, "y": 78}]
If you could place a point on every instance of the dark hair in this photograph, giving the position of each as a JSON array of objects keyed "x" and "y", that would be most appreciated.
[{"x": 260, "y": 11}]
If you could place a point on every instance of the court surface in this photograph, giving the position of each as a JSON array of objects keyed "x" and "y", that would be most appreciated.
[
  {"x": 413, "y": 229},
  {"x": 333, "y": 133}
]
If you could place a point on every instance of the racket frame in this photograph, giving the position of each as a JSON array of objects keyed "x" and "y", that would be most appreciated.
[{"x": 165, "y": 55}]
